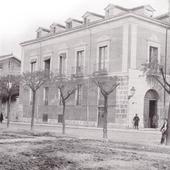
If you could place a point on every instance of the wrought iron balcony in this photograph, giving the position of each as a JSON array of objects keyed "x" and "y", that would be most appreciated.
[
  {"x": 101, "y": 68},
  {"x": 61, "y": 73},
  {"x": 78, "y": 71},
  {"x": 46, "y": 102}
]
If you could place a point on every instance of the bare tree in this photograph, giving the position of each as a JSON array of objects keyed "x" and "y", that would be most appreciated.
[
  {"x": 156, "y": 72},
  {"x": 34, "y": 80},
  {"x": 106, "y": 84},
  {"x": 66, "y": 87},
  {"x": 9, "y": 86}
]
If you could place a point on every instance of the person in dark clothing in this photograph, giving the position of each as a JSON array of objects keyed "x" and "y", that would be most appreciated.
[
  {"x": 136, "y": 121},
  {"x": 164, "y": 130},
  {"x": 1, "y": 117}
]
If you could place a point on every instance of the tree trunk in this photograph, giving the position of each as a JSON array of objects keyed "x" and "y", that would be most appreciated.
[
  {"x": 8, "y": 111},
  {"x": 64, "y": 125},
  {"x": 168, "y": 137},
  {"x": 33, "y": 109},
  {"x": 105, "y": 117}
]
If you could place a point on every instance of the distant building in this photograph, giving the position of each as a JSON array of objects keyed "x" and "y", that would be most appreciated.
[
  {"x": 118, "y": 42},
  {"x": 10, "y": 65}
]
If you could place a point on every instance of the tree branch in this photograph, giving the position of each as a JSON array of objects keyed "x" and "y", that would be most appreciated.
[
  {"x": 69, "y": 93},
  {"x": 112, "y": 89},
  {"x": 157, "y": 79},
  {"x": 164, "y": 79}
]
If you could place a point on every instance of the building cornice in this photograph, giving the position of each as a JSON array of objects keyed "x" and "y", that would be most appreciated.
[{"x": 97, "y": 23}]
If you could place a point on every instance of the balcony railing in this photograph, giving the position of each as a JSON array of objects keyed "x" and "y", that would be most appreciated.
[
  {"x": 60, "y": 73},
  {"x": 101, "y": 68},
  {"x": 78, "y": 71},
  {"x": 46, "y": 102}
]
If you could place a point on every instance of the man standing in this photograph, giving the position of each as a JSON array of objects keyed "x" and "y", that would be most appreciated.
[
  {"x": 136, "y": 121},
  {"x": 1, "y": 117},
  {"x": 164, "y": 130}
]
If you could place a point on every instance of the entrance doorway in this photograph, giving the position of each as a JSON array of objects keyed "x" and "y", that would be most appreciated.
[
  {"x": 150, "y": 109},
  {"x": 152, "y": 114},
  {"x": 100, "y": 116}
]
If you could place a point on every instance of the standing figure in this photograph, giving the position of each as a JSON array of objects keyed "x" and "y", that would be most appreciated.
[
  {"x": 164, "y": 130},
  {"x": 136, "y": 121},
  {"x": 1, "y": 117}
]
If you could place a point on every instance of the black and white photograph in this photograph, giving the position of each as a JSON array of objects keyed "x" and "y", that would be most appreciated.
[{"x": 85, "y": 85}]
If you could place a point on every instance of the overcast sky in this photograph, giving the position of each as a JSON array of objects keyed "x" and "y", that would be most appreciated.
[{"x": 19, "y": 19}]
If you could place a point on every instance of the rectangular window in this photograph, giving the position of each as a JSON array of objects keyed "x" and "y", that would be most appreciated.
[
  {"x": 79, "y": 61},
  {"x": 59, "y": 98},
  {"x": 47, "y": 65},
  {"x": 46, "y": 93},
  {"x": 102, "y": 65},
  {"x": 62, "y": 64},
  {"x": 86, "y": 20},
  {"x": 79, "y": 94},
  {"x": 45, "y": 117},
  {"x": 69, "y": 25},
  {"x": 31, "y": 97},
  {"x": 60, "y": 118},
  {"x": 153, "y": 54},
  {"x": 38, "y": 34},
  {"x": 33, "y": 66}
]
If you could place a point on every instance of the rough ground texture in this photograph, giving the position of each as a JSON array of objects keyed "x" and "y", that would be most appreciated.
[{"x": 44, "y": 151}]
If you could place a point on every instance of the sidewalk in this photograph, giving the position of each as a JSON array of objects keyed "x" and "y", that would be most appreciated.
[
  {"x": 125, "y": 136},
  {"x": 141, "y": 130}
]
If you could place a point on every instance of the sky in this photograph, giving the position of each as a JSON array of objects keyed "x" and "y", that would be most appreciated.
[{"x": 19, "y": 19}]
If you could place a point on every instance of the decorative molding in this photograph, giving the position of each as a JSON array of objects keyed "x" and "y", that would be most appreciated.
[
  {"x": 125, "y": 48},
  {"x": 133, "y": 46}
]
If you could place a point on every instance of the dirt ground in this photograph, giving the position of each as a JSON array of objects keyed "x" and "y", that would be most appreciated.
[{"x": 25, "y": 150}]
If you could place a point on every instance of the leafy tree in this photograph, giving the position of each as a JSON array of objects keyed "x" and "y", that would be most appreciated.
[
  {"x": 34, "y": 80},
  {"x": 9, "y": 87},
  {"x": 106, "y": 84},
  {"x": 66, "y": 87},
  {"x": 156, "y": 72}
]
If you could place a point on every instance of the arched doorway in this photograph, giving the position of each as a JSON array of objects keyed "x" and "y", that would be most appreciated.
[{"x": 150, "y": 109}]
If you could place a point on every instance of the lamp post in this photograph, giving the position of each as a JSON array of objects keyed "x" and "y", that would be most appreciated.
[
  {"x": 9, "y": 86},
  {"x": 132, "y": 92}
]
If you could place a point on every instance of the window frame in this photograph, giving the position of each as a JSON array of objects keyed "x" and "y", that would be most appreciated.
[
  {"x": 99, "y": 46},
  {"x": 46, "y": 96},
  {"x": 156, "y": 45},
  {"x": 66, "y": 60},
  {"x": 78, "y": 95},
  {"x": 34, "y": 59},
  {"x": 78, "y": 49}
]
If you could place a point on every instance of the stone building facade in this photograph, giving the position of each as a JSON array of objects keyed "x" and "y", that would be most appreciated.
[
  {"x": 120, "y": 42},
  {"x": 10, "y": 65}
]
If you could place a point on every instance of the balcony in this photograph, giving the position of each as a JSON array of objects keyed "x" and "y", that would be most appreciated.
[
  {"x": 101, "y": 68},
  {"x": 46, "y": 102},
  {"x": 61, "y": 73},
  {"x": 78, "y": 71}
]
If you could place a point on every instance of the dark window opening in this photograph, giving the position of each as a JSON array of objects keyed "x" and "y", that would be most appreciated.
[
  {"x": 47, "y": 65},
  {"x": 46, "y": 93},
  {"x": 45, "y": 117},
  {"x": 60, "y": 118},
  {"x": 62, "y": 63},
  {"x": 153, "y": 54},
  {"x": 33, "y": 66},
  {"x": 78, "y": 94},
  {"x": 102, "y": 58}
]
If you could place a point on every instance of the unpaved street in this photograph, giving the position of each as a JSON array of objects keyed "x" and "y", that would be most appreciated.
[{"x": 47, "y": 151}]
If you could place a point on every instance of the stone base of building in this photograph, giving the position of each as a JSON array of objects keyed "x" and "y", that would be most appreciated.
[{"x": 75, "y": 123}]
